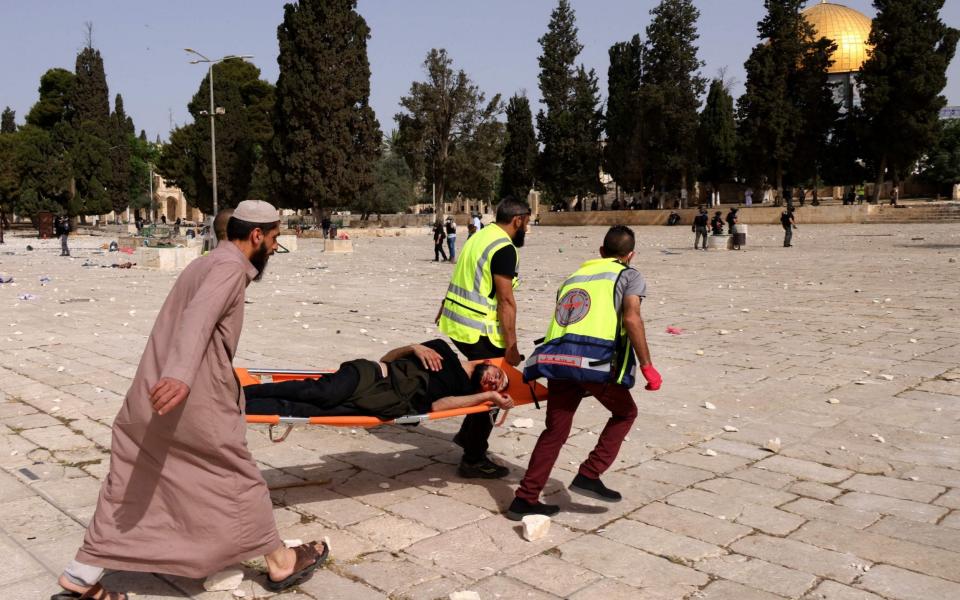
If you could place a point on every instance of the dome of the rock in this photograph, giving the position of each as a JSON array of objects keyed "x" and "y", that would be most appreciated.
[{"x": 848, "y": 28}]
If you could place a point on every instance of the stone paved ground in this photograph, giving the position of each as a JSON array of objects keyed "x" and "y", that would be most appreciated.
[{"x": 861, "y": 503}]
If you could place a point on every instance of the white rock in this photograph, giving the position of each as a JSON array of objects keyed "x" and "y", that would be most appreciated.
[
  {"x": 723, "y": 332},
  {"x": 773, "y": 445},
  {"x": 833, "y": 401},
  {"x": 384, "y": 486},
  {"x": 885, "y": 377},
  {"x": 709, "y": 452},
  {"x": 224, "y": 581},
  {"x": 60, "y": 369},
  {"x": 672, "y": 425},
  {"x": 523, "y": 423},
  {"x": 699, "y": 352},
  {"x": 465, "y": 595},
  {"x": 913, "y": 340},
  {"x": 709, "y": 406},
  {"x": 535, "y": 527},
  {"x": 730, "y": 429}
]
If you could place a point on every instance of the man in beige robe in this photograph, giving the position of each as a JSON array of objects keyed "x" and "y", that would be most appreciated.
[{"x": 183, "y": 495}]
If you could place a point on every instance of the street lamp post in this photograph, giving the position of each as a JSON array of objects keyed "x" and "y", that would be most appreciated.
[{"x": 213, "y": 112}]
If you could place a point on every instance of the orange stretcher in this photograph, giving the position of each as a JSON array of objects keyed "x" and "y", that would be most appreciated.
[{"x": 522, "y": 393}]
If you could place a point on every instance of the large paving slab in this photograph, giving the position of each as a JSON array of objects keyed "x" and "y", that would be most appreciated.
[{"x": 861, "y": 503}]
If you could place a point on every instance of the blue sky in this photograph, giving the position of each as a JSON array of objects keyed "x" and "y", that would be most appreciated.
[{"x": 495, "y": 41}]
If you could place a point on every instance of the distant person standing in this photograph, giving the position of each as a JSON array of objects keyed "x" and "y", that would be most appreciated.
[
  {"x": 477, "y": 223},
  {"x": 789, "y": 224},
  {"x": 700, "y": 228},
  {"x": 452, "y": 238},
  {"x": 439, "y": 235},
  {"x": 61, "y": 227},
  {"x": 717, "y": 223},
  {"x": 732, "y": 220},
  {"x": 894, "y": 195},
  {"x": 747, "y": 197},
  {"x": 325, "y": 225}
]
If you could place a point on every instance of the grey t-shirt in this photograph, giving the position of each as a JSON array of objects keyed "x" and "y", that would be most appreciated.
[{"x": 631, "y": 283}]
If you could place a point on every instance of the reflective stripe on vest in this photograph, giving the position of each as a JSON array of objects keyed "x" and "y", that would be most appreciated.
[
  {"x": 468, "y": 310},
  {"x": 586, "y": 340}
]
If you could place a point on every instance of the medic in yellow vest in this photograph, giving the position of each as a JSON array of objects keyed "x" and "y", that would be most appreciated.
[{"x": 479, "y": 313}]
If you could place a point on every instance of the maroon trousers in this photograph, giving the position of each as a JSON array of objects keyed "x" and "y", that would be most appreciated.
[{"x": 563, "y": 400}]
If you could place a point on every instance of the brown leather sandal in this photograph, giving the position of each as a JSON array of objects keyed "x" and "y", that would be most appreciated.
[
  {"x": 94, "y": 592},
  {"x": 308, "y": 559}
]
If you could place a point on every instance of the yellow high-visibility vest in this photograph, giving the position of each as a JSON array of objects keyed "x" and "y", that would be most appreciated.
[
  {"x": 586, "y": 339},
  {"x": 468, "y": 310}
]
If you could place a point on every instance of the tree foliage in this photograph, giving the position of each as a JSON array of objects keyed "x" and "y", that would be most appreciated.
[
  {"x": 717, "y": 136},
  {"x": 8, "y": 121},
  {"x": 88, "y": 143},
  {"x": 624, "y": 155},
  {"x": 243, "y": 131},
  {"x": 328, "y": 137},
  {"x": 569, "y": 129},
  {"x": 393, "y": 187},
  {"x": 941, "y": 164},
  {"x": 788, "y": 109},
  {"x": 671, "y": 76},
  {"x": 902, "y": 81},
  {"x": 448, "y": 132},
  {"x": 520, "y": 150}
]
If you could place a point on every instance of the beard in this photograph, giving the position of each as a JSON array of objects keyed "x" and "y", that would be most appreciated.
[
  {"x": 520, "y": 237},
  {"x": 259, "y": 261}
]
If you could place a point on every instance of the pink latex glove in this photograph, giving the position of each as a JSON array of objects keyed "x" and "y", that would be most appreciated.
[{"x": 654, "y": 380}]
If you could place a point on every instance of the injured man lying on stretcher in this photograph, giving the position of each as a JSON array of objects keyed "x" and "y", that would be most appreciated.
[{"x": 410, "y": 380}]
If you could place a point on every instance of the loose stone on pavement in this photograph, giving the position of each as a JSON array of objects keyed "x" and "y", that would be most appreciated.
[{"x": 832, "y": 514}]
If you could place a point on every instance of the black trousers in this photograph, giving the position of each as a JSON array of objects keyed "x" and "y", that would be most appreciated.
[
  {"x": 326, "y": 395},
  {"x": 475, "y": 430},
  {"x": 438, "y": 251}
]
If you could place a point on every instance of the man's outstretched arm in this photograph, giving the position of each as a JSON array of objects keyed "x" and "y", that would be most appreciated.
[
  {"x": 430, "y": 359},
  {"x": 450, "y": 402}
]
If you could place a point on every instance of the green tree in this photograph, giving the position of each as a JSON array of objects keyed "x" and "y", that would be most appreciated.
[
  {"x": 121, "y": 138},
  {"x": 902, "y": 82},
  {"x": 8, "y": 121},
  {"x": 328, "y": 135},
  {"x": 788, "y": 110},
  {"x": 89, "y": 141},
  {"x": 568, "y": 130},
  {"x": 244, "y": 131},
  {"x": 56, "y": 100},
  {"x": 45, "y": 171},
  {"x": 143, "y": 156},
  {"x": 717, "y": 136},
  {"x": 624, "y": 155},
  {"x": 448, "y": 132},
  {"x": 671, "y": 74},
  {"x": 520, "y": 150},
  {"x": 393, "y": 187},
  {"x": 941, "y": 165}
]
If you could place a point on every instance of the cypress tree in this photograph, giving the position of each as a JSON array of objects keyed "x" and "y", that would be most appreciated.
[
  {"x": 520, "y": 151},
  {"x": 328, "y": 135},
  {"x": 8, "y": 121},
  {"x": 571, "y": 123},
  {"x": 787, "y": 109},
  {"x": 56, "y": 100},
  {"x": 717, "y": 136},
  {"x": 903, "y": 80},
  {"x": 671, "y": 71},
  {"x": 624, "y": 155},
  {"x": 120, "y": 138},
  {"x": 89, "y": 146}
]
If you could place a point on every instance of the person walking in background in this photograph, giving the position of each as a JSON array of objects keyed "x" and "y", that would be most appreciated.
[
  {"x": 61, "y": 228},
  {"x": 439, "y": 236},
  {"x": 789, "y": 224},
  {"x": 700, "y": 228},
  {"x": 747, "y": 197},
  {"x": 452, "y": 238}
]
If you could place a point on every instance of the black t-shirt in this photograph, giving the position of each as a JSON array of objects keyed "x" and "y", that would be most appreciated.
[
  {"x": 700, "y": 220},
  {"x": 451, "y": 380},
  {"x": 504, "y": 262},
  {"x": 785, "y": 219}
]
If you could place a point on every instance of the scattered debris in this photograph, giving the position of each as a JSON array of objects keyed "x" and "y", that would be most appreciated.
[
  {"x": 26, "y": 297},
  {"x": 723, "y": 332},
  {"x": 674, "y": 330},
  {"x": 523, "y": 423},
  {"x": 384, "y": 486},
  {"x": 878, "y": 437},
  {"x": 699, "y": 352},
  {"x": 535, "y": 527},
  {"x": 730, "y": 429},
  {"x": 773, "y": 445},
  {"x": 467, "y": 594},
  {"x": 885, "y": 377},
  {"x": 709, "y": 406},
  {"x": 709, "y": 452},
  {"x": 833, "y": 401}
]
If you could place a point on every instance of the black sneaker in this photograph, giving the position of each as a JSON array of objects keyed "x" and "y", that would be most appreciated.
[
  {"x": 485, "y": 469},
  {"x": 594, "y": 488},
  {"x": 520, "y": 508}
]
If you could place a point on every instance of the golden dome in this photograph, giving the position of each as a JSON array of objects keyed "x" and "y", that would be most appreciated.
[{"x": 850, "y": 30}]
